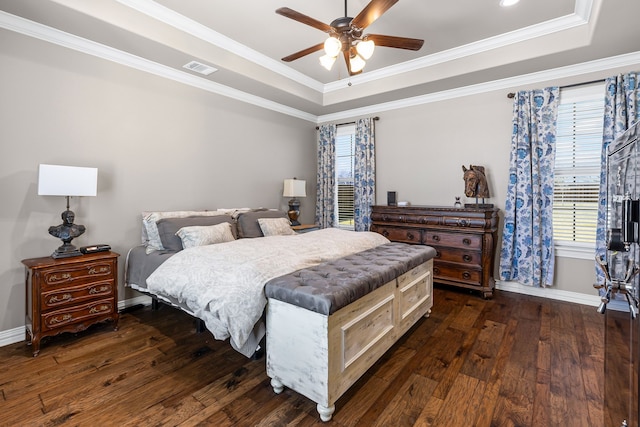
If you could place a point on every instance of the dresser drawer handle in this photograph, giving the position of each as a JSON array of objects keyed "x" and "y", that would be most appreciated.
[
  {"x": 463, "y": 223},
  {"x": 438, "y": 254},
  {"x": 466, "y": 241},
  {"x": 466, "y": 275},
  {"x": 436, "y": 271},
  {"x": 409, "y": 236},
  {"x": 466, "y": 258},
  {"x": 436, "y": 237},
  {"x": 385, "y": 233},
  {"x": 59, "y": 298}
]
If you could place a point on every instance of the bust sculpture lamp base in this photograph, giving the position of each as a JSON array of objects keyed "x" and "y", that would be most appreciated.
[
  {"x": 66, "y": 232},
  {"x": 294, "y": 211},
  {"x": 65, "y": 251}
]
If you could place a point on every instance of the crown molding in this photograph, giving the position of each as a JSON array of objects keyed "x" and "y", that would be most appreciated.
[
  {"x": 61, "y": 38},
  {"x": 194, "y": 28},
  {"x": 599, "y": 65}
]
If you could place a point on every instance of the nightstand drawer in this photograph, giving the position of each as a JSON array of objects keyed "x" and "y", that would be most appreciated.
[
  {"x": 77, "y": 314},
  {"x": 77, "y": 274},
  {"x": 76, "y": 294},
  {"x": 396, "y": 234},
  {"x": 456, "y": 240}
]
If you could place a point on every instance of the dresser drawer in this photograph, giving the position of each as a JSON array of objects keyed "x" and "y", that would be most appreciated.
[
  {"x": 458, "y": 255},
  {"x": 72, "y": 295},
  {"x": 77, "y": 314},
  {"x": 456, "y": 240},
  {"x": 457, "y": 272},
  {"x": 77, "y": 274},
  {"x": 396, "y": 234}
]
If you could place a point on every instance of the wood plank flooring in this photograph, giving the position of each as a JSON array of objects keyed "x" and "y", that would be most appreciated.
[{"x": 513, "y": 360}]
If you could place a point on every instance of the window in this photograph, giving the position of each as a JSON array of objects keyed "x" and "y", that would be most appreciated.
[
  {"x": 577, "y": 170},
  {"x": 345, "y": 144}
]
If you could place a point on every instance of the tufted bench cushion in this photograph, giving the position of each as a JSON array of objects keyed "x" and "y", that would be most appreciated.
[{"x": 327, "y": 287}]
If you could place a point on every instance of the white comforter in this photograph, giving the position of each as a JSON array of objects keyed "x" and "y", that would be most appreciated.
[{"x": 223, "y": 283}]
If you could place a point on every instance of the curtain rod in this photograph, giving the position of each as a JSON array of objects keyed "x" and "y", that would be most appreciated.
[
  {"x": 376, "y": 118},
  {"x": 512, "y": 94}
]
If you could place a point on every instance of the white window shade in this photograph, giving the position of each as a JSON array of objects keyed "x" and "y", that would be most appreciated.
[{"x": 55, "y": 180}]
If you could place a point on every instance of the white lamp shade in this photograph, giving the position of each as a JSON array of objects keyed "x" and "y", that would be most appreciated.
[
  {"x": 294, "y": 188},
  {"x": 54, "y": 180},
  {"x": 357, "y": 63},
  {"x": 365, "y": 48},
  {"x": 327, "y": 61},
  {"x": 332, "y": 46}
]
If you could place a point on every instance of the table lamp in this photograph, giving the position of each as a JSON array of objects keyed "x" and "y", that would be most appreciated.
[
  {"x": 67, "y": 181},
  {"x": 294, "y": 188}
]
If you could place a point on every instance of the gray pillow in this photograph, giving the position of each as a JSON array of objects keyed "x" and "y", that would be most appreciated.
[
  {"x": 168, "y": 227},
  {"x": 248, "y": 222}
]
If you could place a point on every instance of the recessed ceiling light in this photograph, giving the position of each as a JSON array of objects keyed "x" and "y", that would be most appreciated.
[{"x": 505, "y": 3}]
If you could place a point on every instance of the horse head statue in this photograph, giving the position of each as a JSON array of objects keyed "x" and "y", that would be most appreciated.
[{"x": 475, "y": 182}]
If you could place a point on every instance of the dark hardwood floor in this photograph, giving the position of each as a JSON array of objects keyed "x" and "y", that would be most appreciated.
[{"x": 513, "y": 360}]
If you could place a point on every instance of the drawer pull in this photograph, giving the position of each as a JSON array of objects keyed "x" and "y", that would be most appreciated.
[
  {"x": 466, "y": 275},
  {"x": 99, "y": 309},
  {"x": 59, "y": 298},
  {"x": 466, "y": 258},
  {"x": 436, "y": 270},
  {"x": 385, "y": 233},
  {"x": 60, "y": 319},
  {"x": 436, "y": 237},
  {"x": 466, "y": 241},
  {"x": 438, "y": 254},
  {"x": 463, "y": 223},
  {"x": 409, "y": 236},
  {"x": 99, "y": 290}
]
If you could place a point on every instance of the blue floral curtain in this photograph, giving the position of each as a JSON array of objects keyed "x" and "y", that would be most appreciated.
[
  {"x": 527, "y": 243},
  {"x": 364, "y": 173},
  {"x": 326, "y": 183},
  {"x": 621, "y": 110}
]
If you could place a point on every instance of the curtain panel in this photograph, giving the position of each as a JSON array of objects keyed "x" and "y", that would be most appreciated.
[
  {"x": 364, "y": 173},
  {"x": 527, "y": 254},
  {"x": 621, "y": 110},
  {"x": 326, "y": 182}
]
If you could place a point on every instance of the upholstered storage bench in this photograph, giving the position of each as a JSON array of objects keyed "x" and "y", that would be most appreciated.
[{"x": 328, "y": 324}]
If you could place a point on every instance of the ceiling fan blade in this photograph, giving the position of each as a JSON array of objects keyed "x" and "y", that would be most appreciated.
[
  {"x": 397, "y": 42},
  {"x": 348, "y": 62},
  {"x": 303, "y": 52},
  {"x": 297, "y": 16},
  {"x": 371, "y": 12}
]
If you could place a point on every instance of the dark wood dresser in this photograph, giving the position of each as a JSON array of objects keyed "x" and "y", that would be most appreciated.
[
  {"x": 464, "y": 238},
  {"x": 69, "y": 294}
]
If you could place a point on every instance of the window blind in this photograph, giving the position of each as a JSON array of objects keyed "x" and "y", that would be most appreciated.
[
  {"x": 345, "y": 145},
  {"x": 577, "y": 164}
]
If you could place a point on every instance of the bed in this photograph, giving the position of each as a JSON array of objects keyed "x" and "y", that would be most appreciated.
[{"x": 220, "y": 279}]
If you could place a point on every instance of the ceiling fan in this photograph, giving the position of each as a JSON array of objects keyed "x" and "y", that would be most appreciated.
[{"x": 346, "y": 36}]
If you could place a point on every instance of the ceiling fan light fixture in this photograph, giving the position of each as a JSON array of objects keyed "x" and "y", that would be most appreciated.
[
  {"x": 365, "y": 48},
  {"x": 507, "y": 3},
  {"x": 357, "y": 63},
  {"x": 327, "y": 61},
  {"x": 332, "y": 46}
]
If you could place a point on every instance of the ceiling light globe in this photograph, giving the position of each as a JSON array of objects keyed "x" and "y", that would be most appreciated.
[
  {"x": 357, "y": 63},
  {"x": 332, "y": 46},
  {"x": 327, "y": 61},
  {"x": 365, "y": 48}
]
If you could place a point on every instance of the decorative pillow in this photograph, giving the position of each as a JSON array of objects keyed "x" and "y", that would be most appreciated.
[
  {"x": 168, "y": 227},
  {"x": 200, "y": 235},
  {"x": 275, "y": 227},
  {"x": 150, "y": 236},
  {"x": 248, "y": 222}
]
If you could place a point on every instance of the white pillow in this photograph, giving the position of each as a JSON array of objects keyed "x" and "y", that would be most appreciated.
[
  {"x": 150, "y": 235},
  {"x": 200, "y": 235},
  {"x": 275, "y": 227}
]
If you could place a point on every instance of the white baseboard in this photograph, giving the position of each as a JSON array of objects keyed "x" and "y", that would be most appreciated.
[
  {"x": 15, "y": 335},
  {"x": 551, "y": 293}
]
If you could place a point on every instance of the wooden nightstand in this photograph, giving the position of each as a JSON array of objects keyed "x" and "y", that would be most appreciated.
[
  {"x": 303, "y": 228},
  {"x": 69, "y": 294}
]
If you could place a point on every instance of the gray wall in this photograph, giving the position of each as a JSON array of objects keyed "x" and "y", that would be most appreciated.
[{"x": 157, "y": 144}]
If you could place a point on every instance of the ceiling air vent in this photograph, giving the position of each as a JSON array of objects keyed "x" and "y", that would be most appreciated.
[{"x": 199, "y": 67}]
